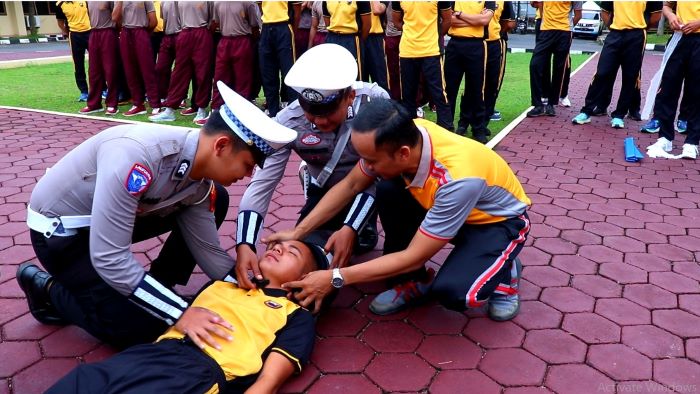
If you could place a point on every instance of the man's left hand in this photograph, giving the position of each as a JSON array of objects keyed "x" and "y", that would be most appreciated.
[
  {"x": 341, "y": 244},
  {"x": 691, "y": 26},
  {"x": 314, "y": 286}
]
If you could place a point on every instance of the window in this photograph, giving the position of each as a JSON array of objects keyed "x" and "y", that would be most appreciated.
[
  {"x": 3, "y": 10},
  {"x": 39, "y": 7},
  {"x": 28, "y": 7}
]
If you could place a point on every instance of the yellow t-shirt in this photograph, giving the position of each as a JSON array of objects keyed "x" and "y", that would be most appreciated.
[
  {"x": 471, "y": 8},
  {"x": 159, "y": 25},
  {"x": 376, "y": 26},
  {"x": 76, "y": 13},
  {"x": 276, "y": 11},
  {"x": 344, "y": 15},
  {"x": 688, "y": 11},
  {"x": 555, "y": 14},
  {"x": 420, "y": 27}
]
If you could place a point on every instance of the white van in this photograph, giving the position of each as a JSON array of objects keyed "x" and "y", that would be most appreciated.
[{"x": 590, "y": 24}]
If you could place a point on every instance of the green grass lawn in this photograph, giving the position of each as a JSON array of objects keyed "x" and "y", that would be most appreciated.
[
  {"x": 653, "y": 38},
  {"x": 52, "y": 87}
]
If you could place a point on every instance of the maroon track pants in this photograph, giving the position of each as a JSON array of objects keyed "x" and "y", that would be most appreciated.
[
  {"x": 193, "y": 54},
  {"x": 164, "y": 65},
  {"x": 139, "y": 65},
  {"x": 103, "y": 47},
  {"x": 234, "y": 67},
  {"x": 391, "y": 46}
]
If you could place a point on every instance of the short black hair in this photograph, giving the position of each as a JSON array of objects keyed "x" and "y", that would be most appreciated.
[
  {"x": 391, "y": 123},
  {"x": 216, "y": 124}
]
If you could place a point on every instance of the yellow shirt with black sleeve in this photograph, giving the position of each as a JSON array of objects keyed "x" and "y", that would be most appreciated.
[
  {"x": 277, "y": 11},
  {"x": 75, "y": 13},
  {"x": 688, "y": 11},
  {"x": 264, "y": 321},
  {"x": 461, "y": 181},
  {"x": 420, "y": 27},
  {"x": 377, "y": 20},
  {"x": 628, "y": 15},
  {"x": 345, "y": 15},
  {"x": 472, "y": 8},
  {"x": 503, "y": 12},
  {"x": 159, "y": 19},
  {"x": 555, "y": 14}
]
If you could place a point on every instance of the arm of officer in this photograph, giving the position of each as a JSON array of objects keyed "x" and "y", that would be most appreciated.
[
  {"x": 653, "y": 13},
  {"x": 453, "y": 202},
  {"x": 117, "y": 12},
  {"x": 397, "y": 15},
  {"x": 578, "y": 13},
  {"x": 481, "y": 19},
  {"x": 445, "y": 8},
  {"x": 151, "y": 13},
  {"x": 365, "y": 12},
  {"x": 251, "y": 213},
  {"x": 62, "y": 20},
  {"x": 507, "y": 20},
  {"x": 606, "y": 9},
  {"x": 124, "y": 174}
]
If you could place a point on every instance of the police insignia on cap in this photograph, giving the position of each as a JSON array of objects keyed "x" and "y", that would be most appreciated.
[{"x": 312, "y": 95}]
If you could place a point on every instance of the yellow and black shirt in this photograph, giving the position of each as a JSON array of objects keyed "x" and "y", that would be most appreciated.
[
  {"x": 277, "y": 11},
  {"x": 378, "y": 21},
  {"x": 630, "y": 14},
  {"x": 159, "y": 19},
  {"x": 472, "y": 8},
  {"x": 75, "y": 13},
  {"x": 504, "y": 12},
  {"x": 345, "y": 15},
  {"x": 264, "y": 321},
  {"x": 461, "y": 181},
  {"x": 687, "y": 11},
  {"x": 555, "y": 14},
  {"x": 420, "y": 27}
]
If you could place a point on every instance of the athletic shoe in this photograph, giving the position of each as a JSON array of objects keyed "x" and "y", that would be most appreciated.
[
  {"x": 660, "y": 148},
  {"x": 35, "y": 284},
  {"x": 634, "y": 115},
  {"x": 617, "y": 123},
  {"x": 652, "y": 126},
  {"x": 401, "y": 296},
  {"x": 565, "y": 102},
  {"x": 581, "y": 118},
  {"x": 598, "y": 112},
  {"x": 104, "y": 94},
  {"x": 189, "y": 111},
  {"x": 549, "y": 110},
  {"x": 420, "y": 113},
  {"x": 689, "y": 152},
  {"x": 183, "y": 104},
  {"x": 480, "y": 136},
  {"x": 201, "y": 117},
  {"x": 496, "y": 116},
  {"x": 681, "y": 126},
  {"x": 156, "y": 111},
  {"x": 503, "y": 307},
  {"x": 111, "y": 111},
  {"x": 88, "y": 110},
  {"x": 536, "y": 111},
  {"x": 166, "y": 115},
  {"x": 83, "y": 97},
  {"x": 136, "y": 110}
]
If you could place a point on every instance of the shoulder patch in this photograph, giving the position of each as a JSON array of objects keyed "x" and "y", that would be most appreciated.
[
  {"x": 273, "y": 304},
  {"x": 310, "y": 139},
  {"x": 138, "y": 180}
]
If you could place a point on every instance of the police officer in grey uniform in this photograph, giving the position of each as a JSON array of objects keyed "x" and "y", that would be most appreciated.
[
  {"x": 129, "y": 183},
  {"x": 329, "y": 97}
]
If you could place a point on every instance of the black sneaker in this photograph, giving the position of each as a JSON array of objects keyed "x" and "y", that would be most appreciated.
[
  {"x": 537, "y": 111},
  {"x": 549, "y": 110},
  {"x": 461, "y": 131},
  {"x": 598, "y": 112},
  {"x": 35, "y": 283},
  {"x": 635, "y": 115},
  {"x": 481, "y": 136},
  {"x": 367, "y": 238}
]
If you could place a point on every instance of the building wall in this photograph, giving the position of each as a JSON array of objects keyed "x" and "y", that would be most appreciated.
[{"x": 12, "y": 24}]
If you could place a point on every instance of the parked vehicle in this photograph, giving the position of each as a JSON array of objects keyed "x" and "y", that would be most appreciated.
[{"x": 590, "y": 24}]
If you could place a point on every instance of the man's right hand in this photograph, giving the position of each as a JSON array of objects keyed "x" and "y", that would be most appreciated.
[
  {"x": 675, "y": 22},
  {"x": 199, "y": 324},
  {"x": 246, "y": 259}
]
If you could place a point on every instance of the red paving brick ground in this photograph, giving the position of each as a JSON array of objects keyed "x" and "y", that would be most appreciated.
[{"x": 611, "y": 300}]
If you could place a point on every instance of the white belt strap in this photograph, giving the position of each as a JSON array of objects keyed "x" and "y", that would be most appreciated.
[{"x": 61, "y": 226}]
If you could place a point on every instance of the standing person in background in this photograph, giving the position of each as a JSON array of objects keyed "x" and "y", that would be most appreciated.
[
  {"x": 392, "y": 38},
  {"x": 103, "y": 46},
  {"x": 72, "y": 18},
  {"x": 554, "y": 39},
  {"x": 276, "y": 49},
  {"x": 166, "y": 53},
  {"x": 623, "y": 48},
  {"x": 138, "y": 18},
  {"x": 348, "y": 26},
  {"x": 502, "y": 22},
  {"x": 234, "y": 54},
  {"x": 318, "y": 31},
  {"x": 466, "y": 55},
  {"x": 375, "y": 55},
  {"x": 419, "y": 51},
  {"x": 157, "y": 34},
  {"x": 301, "y": 37},
  {"x": 193, "y": 57}
]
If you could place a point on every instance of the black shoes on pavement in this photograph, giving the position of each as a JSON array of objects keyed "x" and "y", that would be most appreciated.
[{"x": 35, "y": 284}]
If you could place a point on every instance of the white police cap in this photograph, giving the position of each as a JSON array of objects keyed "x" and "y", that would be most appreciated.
[
  {"x": 251, "y": 124},
  {"x": 321, "y": 72}
]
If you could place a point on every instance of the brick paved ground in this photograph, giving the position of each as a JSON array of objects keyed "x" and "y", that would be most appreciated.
[{"x": 611, "y": 299}]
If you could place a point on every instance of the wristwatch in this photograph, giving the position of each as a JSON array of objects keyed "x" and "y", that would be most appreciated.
[{"x": 337, "y": 280}]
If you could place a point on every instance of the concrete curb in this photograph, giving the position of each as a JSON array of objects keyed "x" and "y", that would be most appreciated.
[
  {"x": 15, "y": 40},
  {"x": 649, "y": 47},
  {"x": 34, "y": 62}
]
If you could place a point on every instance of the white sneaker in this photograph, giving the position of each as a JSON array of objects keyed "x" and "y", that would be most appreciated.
[
  {"x": 167, "y": 115},
  {"x": 420, "y": 113},
  {"x": 565, "y": 102},
  {"x": 155, "y": 111},
  {"x": 660, "y": 148},
  {"x": 201, "y": 114},
  {"x": 689, "y": 152}
]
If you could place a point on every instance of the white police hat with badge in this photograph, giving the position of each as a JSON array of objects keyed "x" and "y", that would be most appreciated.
[
  {"x": 321, "y": 75},
  {"x": 251, "y": 124}
]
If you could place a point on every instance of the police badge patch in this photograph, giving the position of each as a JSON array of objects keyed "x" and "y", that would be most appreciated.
[
  {"x": 310, "y": 139},
  {"x": 273, "y": 304},
  {"x": 139, "y": 179}
]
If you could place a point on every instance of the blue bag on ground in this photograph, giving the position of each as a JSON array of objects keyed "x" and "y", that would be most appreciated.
[{"x": 632, "y": 153}]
